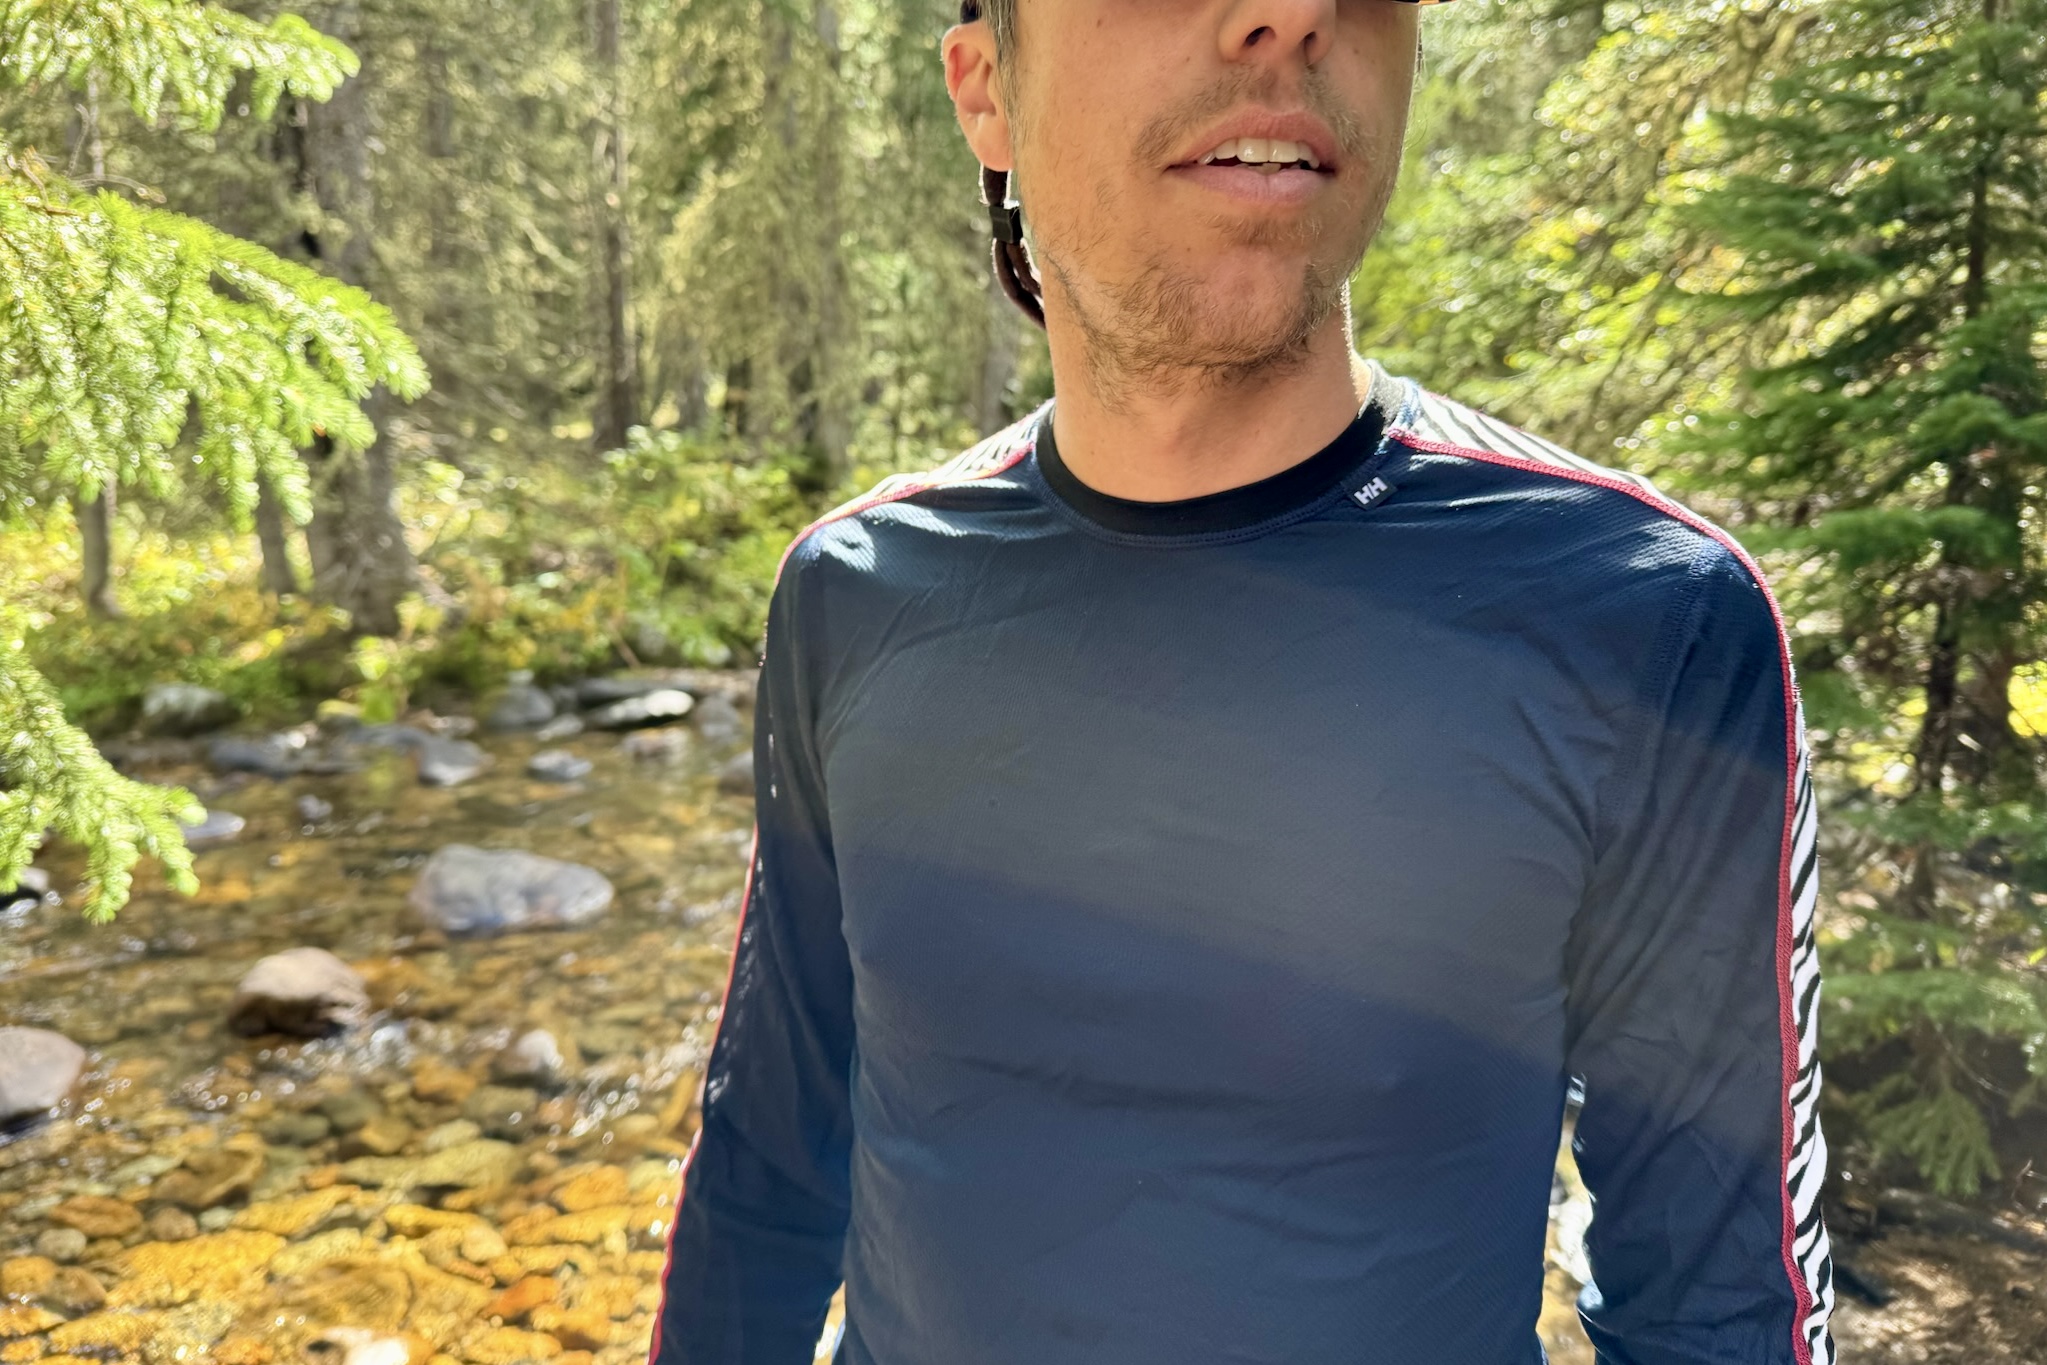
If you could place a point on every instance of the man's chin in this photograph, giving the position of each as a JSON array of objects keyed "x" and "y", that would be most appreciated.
[{"x": 1249, "y": 319}]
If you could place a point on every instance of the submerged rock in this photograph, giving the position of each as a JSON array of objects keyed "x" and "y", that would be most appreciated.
[
  {"x": 522, "y": 707},
  {"x": 96, "y": 1216},
  {"x": 38, "y": 1069},
  {"x": 449, "y": 762},
  {"x": 735, "y": 778},
  {"x": 293, "y": 1130},
  {"x": 656, "y": 746},
  {"x": 62, "y": 1245},
  {"x": 558, "y": 729},
  {"x": 535, "y": 1058},
  {"x": 210, "y": 1177},
  {"x": 404, "y": 738},
  {"x": 179, "y": 709},
  {"x": 312, "y": 810},
  {"x": 558, "y": 765},
  {"x": 718, "y": 720},
  {"x": 305, "y": 992},
  {"x": 215, "y": 827},
  {"x": 468, "y": 890},
  {"x": 502, "y": 1111},
  {"x": 637, "y": 713},
  {"x": 467, "y": 1165},
  {"x": 274, "y": 756}
]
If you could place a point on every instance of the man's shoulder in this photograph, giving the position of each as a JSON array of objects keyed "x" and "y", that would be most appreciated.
[
  {"x": 980, "y": 467},
  {"x": 1441, "y": 425},
  {"x": 1603, "y": 527}
]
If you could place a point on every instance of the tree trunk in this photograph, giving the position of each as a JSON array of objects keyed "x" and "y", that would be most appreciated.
[
  {"x": 96, "y": 534},
  {"x": 361, "y": 562},
  {"x": 618, "y": 396},
  {"x": 96, "y": 517},
  {"x": 273, "y": 534},
  {"x": 825, "y": 388}
]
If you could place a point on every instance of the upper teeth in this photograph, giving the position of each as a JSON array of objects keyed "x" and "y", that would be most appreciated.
[{"x": 1262, "y": 149}]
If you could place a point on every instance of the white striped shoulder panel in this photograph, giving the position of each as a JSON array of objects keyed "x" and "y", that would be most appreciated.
[{"x": 1436, "y": 418}]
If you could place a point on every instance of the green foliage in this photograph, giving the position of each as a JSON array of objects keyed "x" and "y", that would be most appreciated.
[
  {"x": 1890, "y": 197},
  {"x": 665, "y": 554},
  {"x": 154, "y": 52},
  {"x": 51, "y": 777},
  {"x": 123, "y": 325},
  {"x": 1940, "y": 1131},
  {"x": 137, "y": 344},
  {"x": 1789, "y": 257}
]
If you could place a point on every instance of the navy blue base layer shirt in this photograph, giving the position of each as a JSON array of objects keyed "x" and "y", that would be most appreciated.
[{"x": 1174, "y": 928}]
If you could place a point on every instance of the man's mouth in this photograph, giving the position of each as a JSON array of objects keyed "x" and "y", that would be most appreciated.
[{"x": 1267, "y": 155}]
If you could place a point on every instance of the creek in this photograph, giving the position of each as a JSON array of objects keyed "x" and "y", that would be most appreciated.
[{"x": 396, "y": 1194}]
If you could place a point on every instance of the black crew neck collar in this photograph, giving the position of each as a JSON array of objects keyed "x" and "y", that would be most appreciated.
[{"x": 1231, "y": 509}]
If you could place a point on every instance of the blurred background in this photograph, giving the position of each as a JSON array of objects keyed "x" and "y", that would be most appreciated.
[{"x": 405, "y": 407}]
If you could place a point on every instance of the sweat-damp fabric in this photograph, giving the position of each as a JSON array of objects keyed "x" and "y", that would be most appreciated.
[{"x": 1174, "y": 929}]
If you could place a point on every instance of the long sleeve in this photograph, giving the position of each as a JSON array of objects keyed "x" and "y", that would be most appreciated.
[
  {"x": 754, "y": 1254},
  {"x": 1692, "y": 990}
]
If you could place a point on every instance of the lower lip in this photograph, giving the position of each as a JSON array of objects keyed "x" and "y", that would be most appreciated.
[{"x": 1241, "y": 183}]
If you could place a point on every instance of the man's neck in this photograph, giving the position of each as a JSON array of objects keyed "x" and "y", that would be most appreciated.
[{"x": 1185, "y": 439}]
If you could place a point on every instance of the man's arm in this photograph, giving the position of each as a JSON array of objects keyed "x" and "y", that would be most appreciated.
[
  {"x": 753, "y": 1258},
  {"x": 1693, "y": 987}
]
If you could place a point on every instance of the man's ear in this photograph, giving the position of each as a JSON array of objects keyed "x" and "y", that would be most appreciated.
[{"x": 977, "y": 99}]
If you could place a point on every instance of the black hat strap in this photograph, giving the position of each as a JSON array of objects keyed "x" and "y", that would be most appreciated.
[{"x": 1012, "y": 258}]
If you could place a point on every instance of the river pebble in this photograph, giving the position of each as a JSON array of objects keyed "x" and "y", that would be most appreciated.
[
  {"x": 558, "y": 765},
  {"x": 534, "y": 1058},
  {"x": 62, "y": 1245},
  {"x": 96, "y": 1217},
  {"x": 522, "y": 707},
  {"x": 468, "y": 890},
  {"x": 449, "y": 762},
  {"x": 304, "y": 992},
  {"x": 273, "y": 756},
  {"x": 39, "y": 1068},
  {"x": 659, "y": 707}
]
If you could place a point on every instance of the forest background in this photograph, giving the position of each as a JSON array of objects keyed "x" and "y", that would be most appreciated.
[{"x": 364, "y": 354}]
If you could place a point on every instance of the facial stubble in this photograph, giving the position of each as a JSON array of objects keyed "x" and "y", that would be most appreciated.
[{"x": 1163, "y": 328}]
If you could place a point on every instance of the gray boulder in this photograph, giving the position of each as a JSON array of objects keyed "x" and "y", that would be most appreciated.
[
  {"x": 38, "y": 1069},
  {"x": 305, "y": 992},
  {"x": 604, "y": 691},
  {"x": 468, "y": 890},
  {"x": 215, "y": 827},
  {"x": 449, "y": 762},
  {"x": 558, "y": 765},
  {"x": 522, "y": 707},
  {"x": 178, "y": 709},
  {"x": 637, "y": 713},
  {"x": 276, "y": 756}
]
